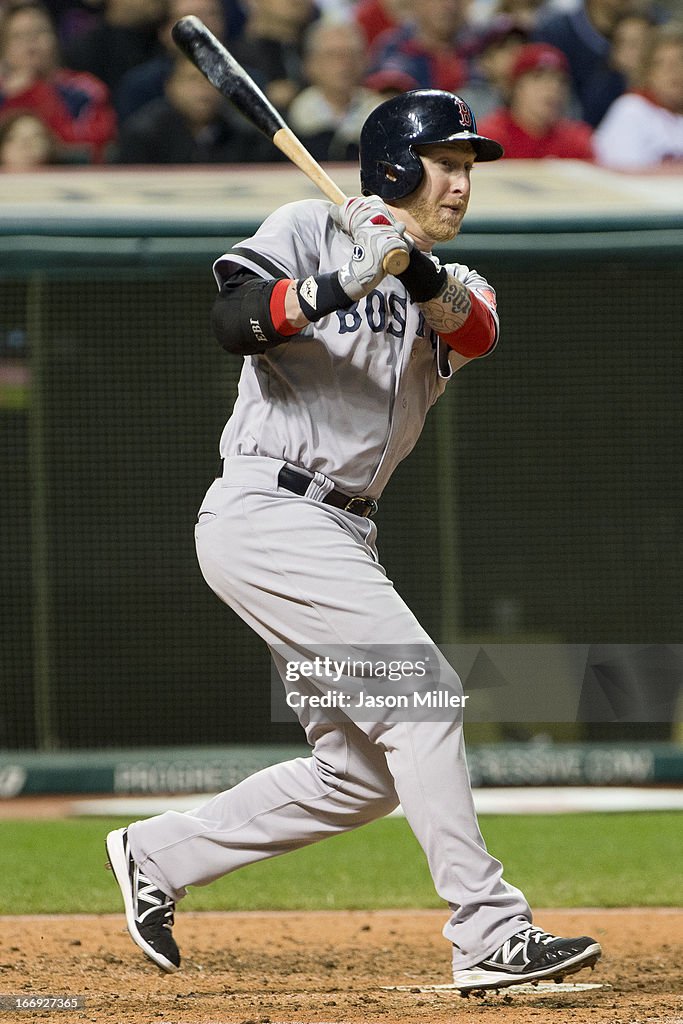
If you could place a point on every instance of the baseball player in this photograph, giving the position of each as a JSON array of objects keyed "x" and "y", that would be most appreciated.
[{"x": 341, "y": 363}]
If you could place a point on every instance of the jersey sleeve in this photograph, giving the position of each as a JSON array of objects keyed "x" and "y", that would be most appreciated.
[
  {"x": 287, "y": 245},
  {"x": 448, "y": 361}
]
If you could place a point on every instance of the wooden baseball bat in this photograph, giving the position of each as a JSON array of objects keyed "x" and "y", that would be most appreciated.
[{"x": 228, "y": 76}]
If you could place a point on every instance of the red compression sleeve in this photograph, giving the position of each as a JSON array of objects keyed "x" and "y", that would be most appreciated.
[
  {"x": 277, "y": 309},
  {"x": 477, "y": 334}
]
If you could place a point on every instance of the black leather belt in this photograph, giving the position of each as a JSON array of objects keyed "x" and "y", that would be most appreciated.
[{"x": 298, "y": 483}]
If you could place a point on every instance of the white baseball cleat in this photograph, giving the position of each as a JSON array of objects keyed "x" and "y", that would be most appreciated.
[
  {"x": 529, "y": 955},
  {"x": 149, "y": 911}
]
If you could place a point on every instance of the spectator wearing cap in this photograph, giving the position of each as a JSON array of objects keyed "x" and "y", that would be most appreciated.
[
  {"x": 429, "y": 47},
  {"x": 643, "y": 129},
  {"x": 533, "y": 125},
  {"x": 491, "y": 58}
]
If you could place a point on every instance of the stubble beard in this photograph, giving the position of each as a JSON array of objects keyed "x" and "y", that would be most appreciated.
[{"x": 437, "y": 224}]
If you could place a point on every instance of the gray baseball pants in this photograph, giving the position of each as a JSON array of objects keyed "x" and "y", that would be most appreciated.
[{"x": 303, "y": 575}]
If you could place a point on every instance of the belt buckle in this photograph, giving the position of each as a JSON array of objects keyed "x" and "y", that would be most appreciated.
[{"x": 365, "y": 502}]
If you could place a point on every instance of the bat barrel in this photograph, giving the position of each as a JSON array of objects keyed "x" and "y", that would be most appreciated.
[{"x": 208, "y": 54}]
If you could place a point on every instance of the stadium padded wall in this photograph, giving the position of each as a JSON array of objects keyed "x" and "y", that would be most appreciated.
[{"x": 543, "y": 499}]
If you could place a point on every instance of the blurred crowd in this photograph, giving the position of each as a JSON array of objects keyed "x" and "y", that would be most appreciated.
[{"x": 101, "y": 82}]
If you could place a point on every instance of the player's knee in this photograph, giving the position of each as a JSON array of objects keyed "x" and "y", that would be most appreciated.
[
  {"x": 367, "y": 789},
  {"x": 385, "y": 803},
  {"x": 369, "y": 805}
]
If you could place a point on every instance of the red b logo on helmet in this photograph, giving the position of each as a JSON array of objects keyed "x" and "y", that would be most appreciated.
[{"x": 465, "y": 113}]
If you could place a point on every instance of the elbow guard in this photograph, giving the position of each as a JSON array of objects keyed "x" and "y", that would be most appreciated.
[
  {"x": 241, "y": 317},
  {"x": 477, "y": 336}
]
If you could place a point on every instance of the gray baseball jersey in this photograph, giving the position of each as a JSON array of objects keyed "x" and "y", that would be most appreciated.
[
  {"x": 346, "y": 399},
  {"x": 349, "y": 396}
]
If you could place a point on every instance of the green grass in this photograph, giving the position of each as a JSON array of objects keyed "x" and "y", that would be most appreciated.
[{"x": 559, "y": 861}]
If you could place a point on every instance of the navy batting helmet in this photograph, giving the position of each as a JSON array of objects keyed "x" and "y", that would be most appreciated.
[{"x": 389, "y": 165}]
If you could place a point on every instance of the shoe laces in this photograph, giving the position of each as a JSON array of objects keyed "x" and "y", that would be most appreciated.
[
  {"x": 160, "y": 907},
  {"x": 537, "y": 935},
  {"x": 516, "y": 948}
]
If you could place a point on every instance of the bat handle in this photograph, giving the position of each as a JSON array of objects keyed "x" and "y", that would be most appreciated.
[{"x": 396, "y": 261}]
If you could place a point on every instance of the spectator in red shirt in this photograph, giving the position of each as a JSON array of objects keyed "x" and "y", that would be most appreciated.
[
  {"x": 75, "y": 106},
  {"x": 533, "y": 124}
]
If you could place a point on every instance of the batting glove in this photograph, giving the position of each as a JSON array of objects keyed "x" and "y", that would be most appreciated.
[
  {"x": 361, "y": 211},
  {"x": 323, "y": 294},
  {"x": 365, "y": 269}
]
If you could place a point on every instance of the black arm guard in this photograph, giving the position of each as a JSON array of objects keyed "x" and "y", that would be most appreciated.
[
  {"x": 240, "y": 316},
  {"x": 421, "y": 278}
]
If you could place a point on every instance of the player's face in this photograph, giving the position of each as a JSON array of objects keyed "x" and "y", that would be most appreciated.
[{"x": 435, "y": 210}]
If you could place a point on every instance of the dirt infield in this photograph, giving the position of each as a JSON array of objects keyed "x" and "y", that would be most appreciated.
[
  {"x": 330, "y": 967},
  {"x": 323, "y": 968}
]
